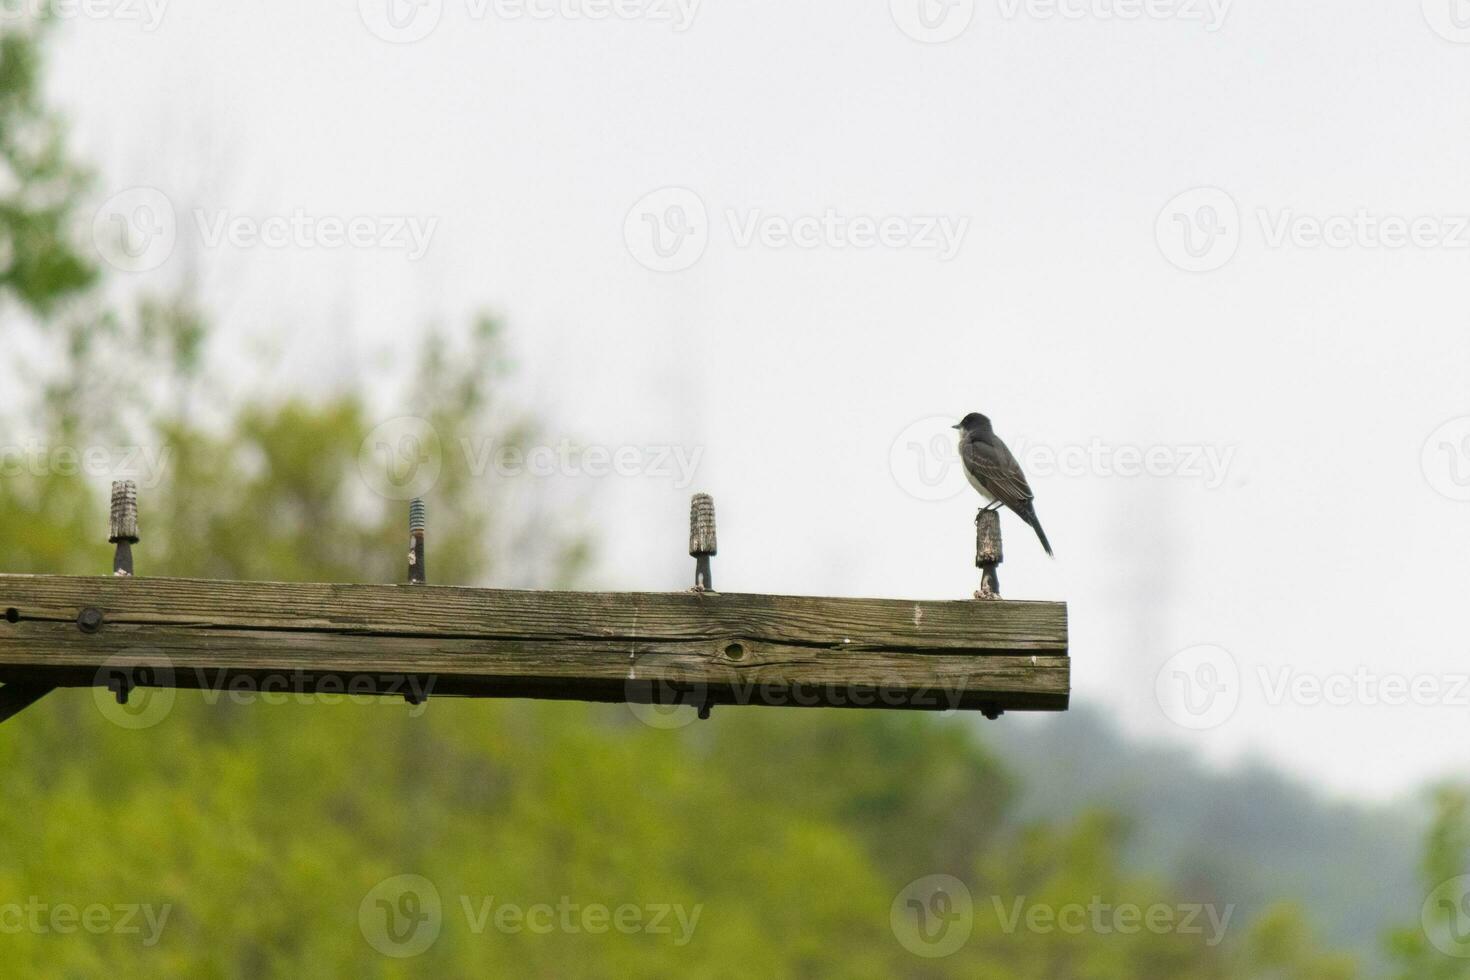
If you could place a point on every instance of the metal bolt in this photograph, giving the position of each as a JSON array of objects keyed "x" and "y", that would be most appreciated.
[
  {"x": 417, "y": 525},
  {"x": 89, "y": 620},
  {"x": 702, "y": 541}
]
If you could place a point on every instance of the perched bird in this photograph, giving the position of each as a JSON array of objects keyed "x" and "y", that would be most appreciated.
[{"x": 994, "y": 472}]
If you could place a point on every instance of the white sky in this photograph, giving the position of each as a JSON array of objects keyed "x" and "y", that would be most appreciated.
[{"x": 1324, "y": 549}]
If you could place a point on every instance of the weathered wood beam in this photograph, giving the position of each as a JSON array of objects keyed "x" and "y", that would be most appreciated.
[{"x": 703, "y": 648}]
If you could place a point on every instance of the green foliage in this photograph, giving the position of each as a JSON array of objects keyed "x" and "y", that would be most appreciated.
[
  {"x": 40, "y": 264},
  {"x": 1446, "y": 909}
]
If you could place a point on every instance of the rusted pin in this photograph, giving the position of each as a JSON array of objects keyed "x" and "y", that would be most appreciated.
[
  {"x": 123, "y": 527},
  {"x": 702, "y": 544},
  {"x": 417, "y": 524}
]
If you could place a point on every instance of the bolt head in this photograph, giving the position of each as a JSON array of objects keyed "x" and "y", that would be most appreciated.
[{"x": 89, "y": 620}]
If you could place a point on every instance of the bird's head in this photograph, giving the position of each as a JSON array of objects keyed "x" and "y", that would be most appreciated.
[{"x": 974, "y": 422}]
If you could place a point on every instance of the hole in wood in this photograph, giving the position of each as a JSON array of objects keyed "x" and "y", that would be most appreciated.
[
  {"x": 735, "y": 651},
  {"x": 12, "y": 615}
]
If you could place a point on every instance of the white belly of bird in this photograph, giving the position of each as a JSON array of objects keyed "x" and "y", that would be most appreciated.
[{"x": 976, "y": 484}]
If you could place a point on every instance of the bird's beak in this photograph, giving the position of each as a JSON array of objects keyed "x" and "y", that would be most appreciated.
[{"x": 958, "y": 425}]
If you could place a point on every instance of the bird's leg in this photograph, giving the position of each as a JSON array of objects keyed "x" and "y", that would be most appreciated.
[{"x": 995, "y": 505}]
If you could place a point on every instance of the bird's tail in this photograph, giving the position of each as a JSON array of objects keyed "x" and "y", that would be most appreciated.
[{"x": 1027, "y": 513}]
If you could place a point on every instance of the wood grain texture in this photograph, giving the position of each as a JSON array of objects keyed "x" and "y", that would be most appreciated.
[{"x": 710, "y": 648}]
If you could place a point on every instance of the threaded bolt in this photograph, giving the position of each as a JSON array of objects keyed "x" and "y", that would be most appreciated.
[
  {"x": 702, "y": 525},
  {"x": 124, "y": 523},
  {"x": 122, "y": 529},
  {"x": 418, "y": 523},
  {"x": 702, "y": 541}
]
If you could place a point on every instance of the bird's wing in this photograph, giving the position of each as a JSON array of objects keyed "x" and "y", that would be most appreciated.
[{"x": 997, "y": 470}]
